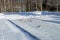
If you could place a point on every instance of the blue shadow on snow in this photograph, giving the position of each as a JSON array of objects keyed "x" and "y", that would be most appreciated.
[{"x": 29, "y": 35}]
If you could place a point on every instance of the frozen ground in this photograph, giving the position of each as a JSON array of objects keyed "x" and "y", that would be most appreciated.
[{"x": 30, "y": 26}]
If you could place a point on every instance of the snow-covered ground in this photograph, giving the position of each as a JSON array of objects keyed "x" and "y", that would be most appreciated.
[{"x": 29, "y": 26}]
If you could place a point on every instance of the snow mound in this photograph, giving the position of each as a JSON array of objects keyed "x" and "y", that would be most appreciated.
[{"x": 1, "y": 16}]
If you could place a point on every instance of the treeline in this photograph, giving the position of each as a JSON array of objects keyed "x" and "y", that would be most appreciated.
[
  {"x": 26, "y": 5},
  {"x": 46, "y": 7}
]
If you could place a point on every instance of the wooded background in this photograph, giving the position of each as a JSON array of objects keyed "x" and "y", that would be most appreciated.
[{"x": 29, "y": 5}]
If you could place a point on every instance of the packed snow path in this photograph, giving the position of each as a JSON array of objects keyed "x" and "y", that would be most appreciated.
[
  {"x": 10, "y": 31},
  {"x": 19, "y": 27},
  {"x": 40, "y": 28}
]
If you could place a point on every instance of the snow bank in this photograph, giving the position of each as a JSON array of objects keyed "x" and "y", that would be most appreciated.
[
  {"x": 1, "y": 16},
  {"x": 50, "y": 13},
  {"x": 19, "y": 15},
  {"x": 36, "y": 14}
]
